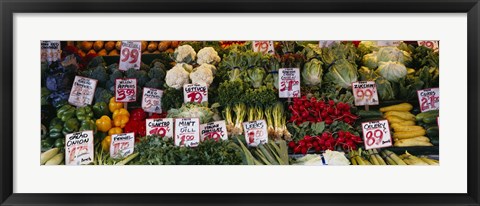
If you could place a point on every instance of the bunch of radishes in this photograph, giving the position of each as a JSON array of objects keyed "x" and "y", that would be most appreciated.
[
  {"x": 314, "y": 110},
  {"x": 326, "y": 141}
]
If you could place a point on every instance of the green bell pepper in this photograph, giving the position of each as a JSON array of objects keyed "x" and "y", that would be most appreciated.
[
  {"x": 100, "y": 109},
  {"x": 47, "y": 143},
  {"x": 66, "y": 112},
  {"x": 84, "y": 113},
  {"x": 59, "y": 143},
  {"x": 70, "y": 126},
  {"x": 44, "y": 96},
  {"x": 55, "y": 128},
  {"x": 88, "y": 125}
]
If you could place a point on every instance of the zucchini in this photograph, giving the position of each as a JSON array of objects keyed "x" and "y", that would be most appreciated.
[
  {"x": 398, "y": 107},
  {"x": 49, "y": 154},
  {"x": 433, "y": 132},
  {"x": 369, "y": 114},
  {"x": 434, "y": 140}
]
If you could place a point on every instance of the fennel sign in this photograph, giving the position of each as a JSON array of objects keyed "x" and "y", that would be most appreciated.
[
  {"x": 213, "y": 130},
  {"x": 376, "y": 134},
  {"x": 151, "y": 100},
  {"x": 187, "y": 132},
  {"x": 130, "y": 55},
  {"x": 125, "y": 90},
  {"x": 82, "y": 91},
  {"x": 122, "y": 145},
  {"x": 195, "y": 93},
  {"x": 79, "y": 148},
  {"x": 255, "y": 132},
  {"x": 365, "y": 93},
  {"x": 161, "y": 127},
  {"x": 429, "y": 99},
  {"x": 289, "y": 82},
  {"x": 265, "y": 47}
]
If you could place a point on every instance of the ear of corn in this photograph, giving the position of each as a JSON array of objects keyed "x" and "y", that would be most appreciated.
[{"x": 47, "y": 155}]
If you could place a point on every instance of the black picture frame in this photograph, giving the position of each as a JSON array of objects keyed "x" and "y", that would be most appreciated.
[{"x": 10, "y": 7}]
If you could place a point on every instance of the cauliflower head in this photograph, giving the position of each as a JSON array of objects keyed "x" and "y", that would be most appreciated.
[
  {"x": 208, "y": 55},
  {"x": 203, "y": 74},
  {"x": 335, "y": 158},
  {"x": 184, "y": 54},
  {"x": 177, "y": 76}
]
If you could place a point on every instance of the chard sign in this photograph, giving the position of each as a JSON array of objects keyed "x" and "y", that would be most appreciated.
[
  {"x": 151, "y": 100},
  {"x": 187, "y": 132},
  {"x": 79, "y": 148},
  {"x": 122, "y": 145},
  {"x": 255, "y": 132},
  {"x": 213, "y": 130},
  {"x": 125, "y": 90},
  {"x": 376, "y": 134},
  {"x": 82, "y": 91},
  {"x": 161, "y": 127},
  {"x": 289, "y": 82}
]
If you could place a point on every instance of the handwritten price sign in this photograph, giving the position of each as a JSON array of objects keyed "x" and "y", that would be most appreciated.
[
  {"x": 187, "y": 132},
  {"x": 151, "y": 100},
  {"x": 195, "y": 93},
  {"x": 125, "y": 90},
  {"x": 161, "y": 127},
  {"x": 376, "y": 134},
  {"x": 429, "y": 99},
  {"x": 365, "y": 93},
  {"x": 430, "y": 44},
  {"x": 255, "y": 132},
  {"x": 79, "y": 148},
  {"x": 50, "y": 51},
  {"x": 130, "y": 55},
  {"x": 289, "y": 81},
  {"x": 265, "y": 47},
  {"x": 82, "y": 91},
  {"x": 122, "y": 145},
  {"x": 213, "y": 130}
]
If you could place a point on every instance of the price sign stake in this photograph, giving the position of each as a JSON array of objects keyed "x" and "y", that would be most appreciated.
[{"x": 376, "y": 134}]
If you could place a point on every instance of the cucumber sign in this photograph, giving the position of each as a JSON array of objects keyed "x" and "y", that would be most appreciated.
[{"x": 429, "y": 99}]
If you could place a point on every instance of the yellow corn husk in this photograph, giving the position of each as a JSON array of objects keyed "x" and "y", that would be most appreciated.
[
  {"x": 372, "y": 157},
  {"x": 412, "y": 160},
  {"x": 410, "y": 143},
  {"x": 404, "y": 123},
  {"x": 411, "y": 134},
  {"x": 429, "y": 161},
  {"x": 379, "y": 159},
  {"x": 394, "y": 157},
  {"x": 388, "y": 159},
  {"x": 400, "y": 128}
]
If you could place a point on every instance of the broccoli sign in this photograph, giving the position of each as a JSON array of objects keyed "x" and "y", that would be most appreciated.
[
  {"x": 82, "y": 91},
  {"x": 130, "y": 55}
]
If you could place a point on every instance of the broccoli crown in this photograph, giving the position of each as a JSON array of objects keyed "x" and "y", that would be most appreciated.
[
  {"x": 117, "y": 74},
  {"x": 130, "y": 73},
  {"x": 110, "y": 85},
  {"x": 142, "y": 78},
  {"x": 100, "y": 74},
  {"x": 154, "y": 83},
  {"x": 102, "y": 95},
  {"x": 95, "y": 62},
  {"x": 156, "y": 72},
  {"x": 157, "y": 63},
  {"x": 144, "y": 67},
  {"x": 113, "y": 67}
]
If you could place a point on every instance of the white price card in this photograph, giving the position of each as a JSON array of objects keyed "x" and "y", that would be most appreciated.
[
  {"x": 122, "y": 145},
  {"x": 214, "y": 130},
  {"x": 125, "y": 90},
  {"x": 289, "y": 82},
  {"x": 255, "y": 132},
  {"x": 50, "y": 51},
  {"x": 187, "y": 132},
  {"x": 389, "y": 43},
  {"x": 162, "y": 127},
  {"x": 151, "y": 100},
  {"x": 82, "y": 91},
  {"x": 130, "y": 55},
  {"x": 429, "y": 99},
  {"x": 79, "y": 148},
  {"x": 265, "y": 47},
  {"x": 376, "y": 134},
  {"x": 195, "y": 93},
  {"x": 365, "y": 93},
  {"x": 322, "y": 44},
  {"x": 430, "y": 44}
]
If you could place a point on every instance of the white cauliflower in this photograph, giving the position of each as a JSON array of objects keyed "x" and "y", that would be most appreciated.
[
  {"x": 208, "y": 55},
  {"x": 184, "y": 54},
  {"x": 203, "y": 74},
  {"x": 335, "y": 158},
  {"x": 177, "y": 76}
]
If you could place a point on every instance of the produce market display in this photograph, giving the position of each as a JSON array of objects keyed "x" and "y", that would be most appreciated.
[{"x": 240, "y": 103}]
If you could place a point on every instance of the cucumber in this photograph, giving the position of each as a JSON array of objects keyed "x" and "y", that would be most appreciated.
[
  {"x": 56, "y": 160},
  {"x": 433, "y": 132},
  {"x": 369, "y": 114},
  {"x": 434, "y": 140},
  {"x": 430, "y": 119},
  {"x": 49, "y": 154},
  {"x": 423, "y": 115}
]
